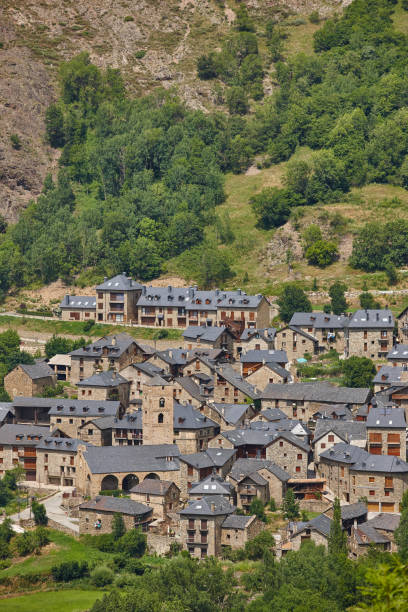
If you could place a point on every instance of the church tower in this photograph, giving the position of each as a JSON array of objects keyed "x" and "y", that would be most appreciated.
[{"x": 157, "y": 408}]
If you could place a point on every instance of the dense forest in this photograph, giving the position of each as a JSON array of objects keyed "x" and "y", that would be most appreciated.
[{"x": 139, "y": 180}]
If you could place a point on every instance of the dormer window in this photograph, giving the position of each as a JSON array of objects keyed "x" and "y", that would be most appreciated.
[
  {"x": 72, "y": 408},
  {"x": 101, "y": 409}
]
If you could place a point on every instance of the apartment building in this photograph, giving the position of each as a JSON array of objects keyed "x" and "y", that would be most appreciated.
[
  {"x": 386, "y": 432},
  {"x": 328, "y": 329},
  {"x": 78, "y": 308},
  {"x": 369, "y": 333},
  {"x": 116, "y": 300},
  {"x": 18, "y": 447},
  {"x": 57, "y": 461},
  {"x": 70, "y": 416}
]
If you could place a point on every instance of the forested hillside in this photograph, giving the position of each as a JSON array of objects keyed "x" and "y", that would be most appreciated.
[{"x": 141, "y": 180}]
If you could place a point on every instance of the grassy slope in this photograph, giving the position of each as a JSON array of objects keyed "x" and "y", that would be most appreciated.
[{"x": 67, "y": 601}]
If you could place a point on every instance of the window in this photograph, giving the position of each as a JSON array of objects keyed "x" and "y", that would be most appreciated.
[
  {"x": 281, "y": 443},
  {"x": 190, "y": 471},
  {"x": 58, "y": 420},
  {"x": 160, "y": 418},
  {"x": 331, "y": 438},
  {"x": 161, "y": 402},
  {"x": 323, "y": 445},
  {"x": 300, "y": 456},
  {"x": 298, "y": 468},
  {"x": 371, "y": 479},
  {"x": 372, "y": 492},
  {"x": 90, "y": 432},
  {"x": 71, "y": 421},
  {"x": 365, "y": 335},
  {"x": 365, "y": 346}
]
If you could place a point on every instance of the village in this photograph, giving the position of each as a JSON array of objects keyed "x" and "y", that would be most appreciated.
[{"x": 180, "y": 441}]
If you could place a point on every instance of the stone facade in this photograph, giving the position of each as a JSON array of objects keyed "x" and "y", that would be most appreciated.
[
  {"x": 118, "y": 392},
  {"x": 290, "y": 457},
  {"x": 201, "y": 536},
  {"x": 295, "y": 343},
  {"x": 263, "y": 375},
  {"x": 158, "y": 414},
  {"x": 307, "y": 535},
  {"x": 161, "y": 504},
  {"x": 387, "y": 442},
  {"x": 95, "y": 522},
  {"x": 371, "y": 343},
  {"x": 58, "y": 468},
  {"x": 85, "y": 365},
  {"x": 248, "y": 489},
  {"x": 237, "y": 538},
  {"x": 18, "y": 382},
  {"x": 225, "y": 392}
]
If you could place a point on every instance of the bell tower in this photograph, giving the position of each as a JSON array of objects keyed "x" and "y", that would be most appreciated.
[{"x": 157, "y": 408}]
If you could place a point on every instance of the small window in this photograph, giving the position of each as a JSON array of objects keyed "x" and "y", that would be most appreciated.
[
  {"x": 300, "y": 456},
  {"x": 331, "y": 438},
  {"x": 371, "y": 479},
  {"x": 160, "y": 418},
  {"x": 281, "y": 443},
  {"x": 161, "y": 404},
  {"x": 298, "y": 468},
  {"x": 372, "y": 492}
]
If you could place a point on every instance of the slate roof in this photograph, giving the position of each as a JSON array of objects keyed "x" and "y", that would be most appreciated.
[
  {"x": 385, "y": 521},
  {"x": 191, "y": 387},
  {"x": 371, "y": 319},
  {"x": 346, "y": 430},
  {"x": 212, "y": 485},
  {"x": 120, "y": 282},
  {"x": 115, "y": 344},
  {"x": 192, "y": 299},
  {"x": 321, "y": 523},
  {"x": 303, "y": 333},
  {"x": 212, "y": 457},
  {"x": 388, "y": 375},
  {"x": 232, "y": 377},
  {"x": 398, "y": 352},
  {"x": 186, "y": 417},
  {"x": 352, "y": 511},
  {"x": 318, "y": 320},
  {"x": 79, "y": 302},
  {"x": 145, "y": 458},
  {"x": 74, "y": 407},
  {"x": 37, "y": 370},
  {"x": 237, "y": 521},
  {"x": 22, "y": 434},
  {"x": 147, "y": 367},
  {"x": 345, "y": 453},
  {"x": 204, "y": 332},
  {"x": 107, "y": 378},
  {"x": 386, "y": 418},
  {"x": 273, "y": 414},
  {"x": 5, "y": 409},
  {"x": 371, "y": 534},
  {"x": 267, "y": 334},
  {"x": 152, "y": 486},
  {"x": 105, "y": 503},
  {"x": 267, "y": 356},
  {"x": 208, "y": 506},
  {"x": 340, "y": 410},
  {"x": 262, "y": 434},
  {"x": 246, "y": 467},
  {"x": 380, "y": 463},
  {"x": 275, "y": 367},
  {"x": 61, "y": 444},
  {"x": 231, "y": 413},
  {"x": 132, "y": 420},
  {"x": 317, "y": 392}
]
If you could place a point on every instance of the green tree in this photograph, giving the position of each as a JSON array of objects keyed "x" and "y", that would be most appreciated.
[
  {"x": 391, "y": 273},
  {"x": 243, "y": 22},
  {"x": 367, "y": 301},
  {"x": 385, "y": 589},
  {"x": 206, "y": 67},
  {"x": 39, "y": 513},
  {"x": 54, "y": 126},
  {"x": 338, "y": 301},
  {"x": 118, "y": 526},
  {"x": 358, "y": 372},
  {"x": 322, "y": 253},
  {"x": 261, "y": 544},
  {"x": 401, "y": 533},
  {"x": 237, "y": 101},
  {"x": 293, "y": 299},
  {"x": 258, "y": 509},
  {"x": 290, "y": 506},
  {"x": 271, "y": 207},
  {"x": 132, "y": 543},
  {"x": 337, "y": 539}
]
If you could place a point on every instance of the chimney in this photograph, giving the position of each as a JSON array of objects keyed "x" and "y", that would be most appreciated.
[
  {"x": 169, "y": 288},
  {"x": 113, "y": 341},
  {"x": 367, "y": 315},
  {"x": 144, "y": 290},
  {"x": 389, "y": 318},
  {"x": 377, "y": 316},
  {"x": 66, "y": 301},
  {"x": 105, "y": 278}
]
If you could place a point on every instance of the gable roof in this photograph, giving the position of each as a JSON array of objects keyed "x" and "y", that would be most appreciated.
[
  {"x": 231, "y": 413},
  {"x": 318, "y": 320},
  {"x": 113, "y": 346},
  {"x": 398, "y": 351},
  {"x": 191, "y": 387},
  {"x": 105, "y": 503},
  {"x": 345, "y": 453},
  {"x": 346, "y": 430},
  {"x": 267, "y": 334},
  {"x": 152, "y": 486},
  {"x": 266, "y": 356},
  {"x": 371, "y": 319},
  {"x": 132, "y": 420},
  {"x": 120, "y": 282},
  {"x": 212, "y": 485},
  {"x": 186, "y": 417},
  {"x": 273, "y": 414},
  {"x": 352, "y": 511},
  {"x": 340, "y": 410},
  {"x": 246, "y": 467},
  {"x": 321, "y": 523},
  {"x": 367, "y": 534},
  {"x": 6, "y": 408},
  {"x": 80, "y": 302},
  {"x": 29, "y": 435},
  {"x": 145, "y": 458},
  {"x": 208, "y": 506},
  {"x": 323, "y": 392},
  {"x": 40, "y": 369},
  {"x": 237, "y": 521},
  {"x": 385, "y": 521},
  {"x": 204, "y": 333},
  {"x": 108, "y": 378},
  {"x": 61, "y": 444},
  {"x": 386, "y": 418},
  {"x": 212, "y": 457},
  {"x": 234, "y": 379},
  {"x": 76, "y": 408},
  {"x": 380, "y": 463},
  {"x": 262, "y": 434},
  {"x": 388, "y": 375}
]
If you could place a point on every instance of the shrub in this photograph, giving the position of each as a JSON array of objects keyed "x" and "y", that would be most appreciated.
[
  {"x": 39, "y": 512},
  {"x": 88, "y": 325},
  {"x": 128, "y": 18},
  {"x": 140, "y": 54},
  {"x": 256, "y": 548},
  {"x": 24, "y": 544},
  {"x": 4, "y": 563},
  {"x": 40, "y": 536},
  {"x": 322, "y": 253},
  {"x": 133, "y": 543},
  {"x": 272, "y": 505},
  {"x": 314, "y": 17},
  {"x": 15, "y": 141},
  {"x": 135, "y": 566},
  {"x": 101, "y": 576},
  {"x": 70, "y": 570}
]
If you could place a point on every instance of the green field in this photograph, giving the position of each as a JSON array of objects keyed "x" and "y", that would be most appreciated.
[{"x": 50, "y": 601}]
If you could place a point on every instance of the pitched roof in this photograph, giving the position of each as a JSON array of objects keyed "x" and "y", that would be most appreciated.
[
  {"x": 237, "y": 521},
  {"x": 267, "y": 334},
  {"x": 105, "y": 503},
  {"x": 318, "y": 320},
  {"x": 186, "y": 417},
  {"x": 113, "y": 346},
  {"x": 366, "y": 319},
  {"x": 61, "y": 444},
  {"x": 321, "y": 523},
  {"x": 231, "y": 413},
  {"x": 266, "y": 356},
  {"x": 191, "y": 387},
  {"x": 367, "y": 534},
  {"x": 120, "y": 282},
  {"x": 231, "y": 376},
  {"x": 282, "y": 372},
  {"x": 352, "y": 511},
  {"x": 212, "y": 457},
  {"x": 398, "y": 351},
  {"x": 208, "y": 506},
  {"x": 317, "y": 392},
  {"x": 29, "y": 435},
  {"x": 108, "y": 378},
  {"x": 212, "y": 485},
  {"x": 262, "y": 434},
  {"x": 340, "y": 410},
  {"x": 386, "y": 418},
  {"x": 131, "y": 420},
  {"x": 79, "y": 302},
  {"x": 273, "y": 414},
  {"x": 345, "y": 453},
  {"x": 145, "y": 458},
  {"x": 246, "y": 467},
  {"x": 76, "y": 408},
  {"x": 5, "y": 409},
  {"x": 204, "y": 333},
  {"x": 346, "y": 430},
  {"x": 152, "y": 486},
  {"x": 388, "y": 375},
  {"x": 40, "y": 369},
  {"x": 385, "y": 521},
  {"x": 380, "y": 463}
]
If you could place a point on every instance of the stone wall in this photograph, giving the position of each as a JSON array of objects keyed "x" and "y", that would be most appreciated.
[
  {"x": 385, "y": 440},
  {"x": 315, "y": 537},
  {"x": 368, "y": 343},
  {"x": 288, "y": 456}
]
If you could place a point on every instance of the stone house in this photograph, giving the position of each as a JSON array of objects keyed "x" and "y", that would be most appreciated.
[
  {"x": 333, "y": 411},
  {"x": 32, "y": 410},
  {"x": 329, "y": 432},
  {"x": 258, "y": 478},
  {"x": 61, "y": 365},
  {"x": 398, "y": 355},
  {"x": 78, "y": 308},
  {"x": 192, "y": 430},
  {"x": 116, "y": 300},
  {"x": 96, "y": 515},
  {"x": 296, "y": 342},
  {"x": 201, "y": 525},
  {"x": 213, "y": 337},
  {"x": 267, "y": 374},
  {"x": 252, "y": 360},
  {"x": 57, "y": 461},
  {"x": 237, "y": 530},
  {"x": 72, "y": 417},
  {"x": 197, "y": 466},
  {"x": 18, "y": 447},
  {"x": 328, "y": 329},
  {"x": 255, "y": 339},
  {"x": 29, "y": 380},
  {"x": 186, "y": 389},
  {"x": 210, "y": 486},
  {"x": 110, "y": 352},
  {"x": 386, "y": 432},
  {"x": 229, "y": 416},
  {"x": 316, "y": 530},
  {"x": 402, "y": 322},
  {"x": 139, "y": 374},
  {"x": 163, "y": 496},
  {"x": 114, "y": 431},
  {"x": 334, "y": 466},
  {"x": 302, "y": 400},
  {"x": 378, "y": 531},
  {"x": 6, "y": 413},
  {"x": 263, "y": 441},
  {"x": 105, "y": 386},
  {"x": 388, "y": 376},
  {"x": 122, "y": 467},
  {"x": 230, "y": 387},
  {"x": 369, "y": 333}
]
